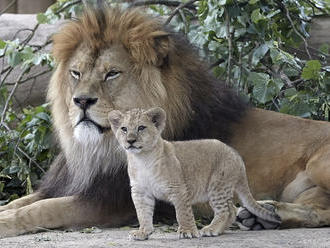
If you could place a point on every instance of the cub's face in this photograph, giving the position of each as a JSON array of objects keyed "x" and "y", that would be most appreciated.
[
  {"x": 99, "y": 83},
  {"x": 138, "y": 130}
]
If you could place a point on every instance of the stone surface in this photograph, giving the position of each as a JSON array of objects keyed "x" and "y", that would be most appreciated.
[
  {"x": 309, "y": 238},
  {"x": 13, "y": 26}
]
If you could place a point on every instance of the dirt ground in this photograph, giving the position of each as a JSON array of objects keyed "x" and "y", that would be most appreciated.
[{"x": 165, "y": 237}]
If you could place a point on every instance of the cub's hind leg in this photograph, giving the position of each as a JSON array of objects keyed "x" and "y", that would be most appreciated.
[{"x": 224, "y": 210}]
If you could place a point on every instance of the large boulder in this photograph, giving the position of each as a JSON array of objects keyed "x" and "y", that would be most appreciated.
[{"x": 19, "y": 26}]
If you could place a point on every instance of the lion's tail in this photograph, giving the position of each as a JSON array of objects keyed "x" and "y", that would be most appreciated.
[{"x": 247, "y": 200}]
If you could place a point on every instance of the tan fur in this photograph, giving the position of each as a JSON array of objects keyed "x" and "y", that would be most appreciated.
[
  {"x": 182, "y": 172},
  {"x": 286, "y": 158}
]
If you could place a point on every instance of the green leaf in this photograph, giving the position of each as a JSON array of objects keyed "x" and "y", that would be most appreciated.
[
  {"x": 264, "y": 89},
  {"x": 311, "y": 70},
  {"x": 43, "y": 116},
  {"x": 298, "y": 109},
  {"x": 253, "y": 1},
  {"x": 42, "y": 18},
  {"x": 259, "y": 53},
  {"x": 256, "y": 16},
  {"x": 280, "y": 57},
  {"x": 222, "y": 2},
  {"x": 324, "y": 48},
  {"x": 2, "y": 44},
  {"x": 14, "y": 59}
]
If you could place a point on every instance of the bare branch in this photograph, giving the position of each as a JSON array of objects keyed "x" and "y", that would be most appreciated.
[
  {"x": 177, "y": 9},
  {"x": 10, "y": 69},
  {"x": 34, "y": 76},
  {"x": 24, "y": 153},
  {"x": 8, "y": 7},
  {"x": 10, "y": 96},
  {"x": 287, "y": 13},
  {"x": 230, "y": 47},
  {"x": 316, "y": 7},
  {"x": 162, "y": 2},
  {"x": 67, "y": 5}
]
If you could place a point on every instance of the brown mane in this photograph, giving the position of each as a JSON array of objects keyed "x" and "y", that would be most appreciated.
[{"x": 99, "y": 29}]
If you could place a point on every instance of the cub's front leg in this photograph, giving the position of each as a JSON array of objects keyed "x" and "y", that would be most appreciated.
[
  {"x": 184, "y": 215},
  {"x": 144, "y": 205}
]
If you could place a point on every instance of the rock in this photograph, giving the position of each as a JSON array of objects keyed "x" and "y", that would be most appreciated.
[{"x": 13, "y": 26}]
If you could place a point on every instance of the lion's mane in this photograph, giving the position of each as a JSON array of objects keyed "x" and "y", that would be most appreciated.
[{"x": 173, "y": 76}]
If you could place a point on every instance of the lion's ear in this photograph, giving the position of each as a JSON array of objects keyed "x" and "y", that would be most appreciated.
[
  {"x": 151, "y": 48},
  {"x": 162, "y": 43},
  {"x": 157, "y": 116},
  {"x": 115, "y": 117}
]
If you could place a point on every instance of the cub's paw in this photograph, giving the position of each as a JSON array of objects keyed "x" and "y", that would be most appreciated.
[
  {"x": 188, "y": 233},
  {"x": 208, "y": 231},
  {"x": 139, "y": 235},
  {"x": 248, "y": 221}
]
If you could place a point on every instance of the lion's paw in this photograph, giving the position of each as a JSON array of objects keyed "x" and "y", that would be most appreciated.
[
  {"x": 248, "y": 221},
  {"x": 139, "y": 235},
  {"x": 188, "y": 233},
  {"x": 8, "y": 224}
]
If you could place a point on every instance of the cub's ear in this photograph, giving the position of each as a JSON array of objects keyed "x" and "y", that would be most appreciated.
[
  {"x": 157, "y": 116},
  {"x": 115, "y": 117}
]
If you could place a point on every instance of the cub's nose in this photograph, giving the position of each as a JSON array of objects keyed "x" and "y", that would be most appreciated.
[
  {"x": 84, "y": 102},
  {"x": 131, "y": 141}
]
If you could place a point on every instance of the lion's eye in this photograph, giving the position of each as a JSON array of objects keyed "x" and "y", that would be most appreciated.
[
  {"x": 140, "y": 128},
  {"x": 112, "y": 75},
  {"x": 124, "y": 129},
  {"x": 75, "y": 74}
]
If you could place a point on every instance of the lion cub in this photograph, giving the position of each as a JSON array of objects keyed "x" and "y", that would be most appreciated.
[{"x": 183, "y": 173}]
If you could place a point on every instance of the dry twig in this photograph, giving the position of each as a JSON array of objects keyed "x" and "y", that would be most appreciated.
[
  {"x": 162, "y": 2},
  {"x": 3, "y": 115},
  {"x": 287, "y": 13},
  {"x": 230, "y": 47},
  {"x": 8, "y": 7},
  {"x": 24, "y": 153},
  {"x": 177, "y": 9}
]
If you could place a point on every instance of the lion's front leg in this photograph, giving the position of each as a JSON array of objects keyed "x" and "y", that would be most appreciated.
[
  {"x": 48, "y": 213},
  {"x": 21, "y": 202}
]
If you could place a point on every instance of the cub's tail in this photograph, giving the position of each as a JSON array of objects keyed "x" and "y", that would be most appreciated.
[{"x": 247, "y": 200}]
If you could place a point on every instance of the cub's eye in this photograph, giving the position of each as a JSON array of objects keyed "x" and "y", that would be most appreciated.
[
  {"x": 140, "y": 128},
  {"x": 112, "y": 75},
  {"x": 75, "y": 74},
  {"x": 124, "y": 129}
]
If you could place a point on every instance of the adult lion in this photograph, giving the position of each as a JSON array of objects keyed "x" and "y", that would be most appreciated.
[{"x": 111, "y": 59}]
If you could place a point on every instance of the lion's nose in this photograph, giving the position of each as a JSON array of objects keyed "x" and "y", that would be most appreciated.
[{"x": 84, "y": 102}]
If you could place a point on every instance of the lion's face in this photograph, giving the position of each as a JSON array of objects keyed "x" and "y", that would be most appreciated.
[
  {"x": 98, "y": 85},
  {"x": 114, "y": 60}
]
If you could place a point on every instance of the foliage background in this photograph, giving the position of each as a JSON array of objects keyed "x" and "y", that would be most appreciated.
[{"x": 259, "y": 47}]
